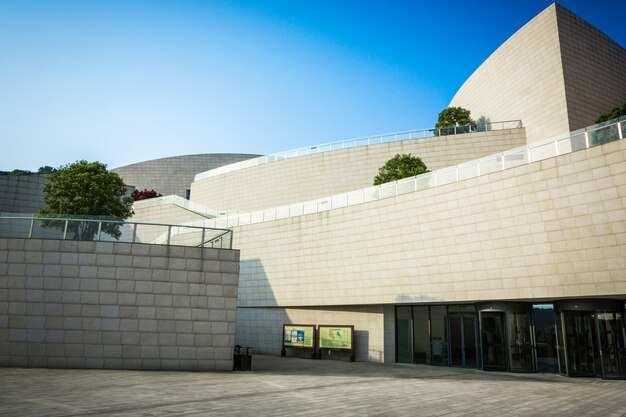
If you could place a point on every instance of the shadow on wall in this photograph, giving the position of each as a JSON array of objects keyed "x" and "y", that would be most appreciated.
[{"x": 260, "y": 319}]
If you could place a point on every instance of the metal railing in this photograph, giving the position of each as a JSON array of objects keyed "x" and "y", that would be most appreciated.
[
  {"x": 363, "y": 141},
  {"x": 177, "y": 201},
  {"x": 572, "y": 142},
  {"x": 101, "y": 230}
]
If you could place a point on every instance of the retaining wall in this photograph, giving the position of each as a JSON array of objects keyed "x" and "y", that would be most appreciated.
[
  {"x": 68, "y": 304},
  {"x": 320, "y": 175}
]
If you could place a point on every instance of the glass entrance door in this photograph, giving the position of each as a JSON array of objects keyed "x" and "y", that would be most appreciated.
[
  {"x": 520, "y": 344},
  {"x": 463, "y": 339},
  {"x": 612, "y": 344},
  {"x": 493, "y": 340},
  {"x": 580, "y": 342},
  {"x": 545, "y": 338}
]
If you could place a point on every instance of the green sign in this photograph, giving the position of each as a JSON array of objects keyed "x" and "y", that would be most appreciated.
[
  {"x": 298, "y": 336},
  {"x": 335, "y": 337}
]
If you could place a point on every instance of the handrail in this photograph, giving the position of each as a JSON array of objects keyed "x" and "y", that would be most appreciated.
[
  {"x": 105, "y": 230},
  {"x": 362, "y": 141},
  {"x": 177, "y": 201},
  {"x": 574, "y": 141}
]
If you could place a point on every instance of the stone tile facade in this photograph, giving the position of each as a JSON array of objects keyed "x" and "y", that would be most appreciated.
[
  {"x": 551, "y": 229},
  {"x": 320, "y": 175},
  {"x": 71, "y": 304}
]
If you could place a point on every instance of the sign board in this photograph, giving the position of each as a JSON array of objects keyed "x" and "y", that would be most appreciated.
[
  {"x": 336, "y": 337},
  {"x": 299, "y": 336}
]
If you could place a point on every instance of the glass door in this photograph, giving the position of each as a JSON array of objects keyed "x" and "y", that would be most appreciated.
[
  {"x": 520, "y": 343},
  {"x": 462, "y": 340},
  {"x": 580, "y": 338},
  {"x": 493, "y": 340},
  {"x": 612, "y": 344},
  {"x": 545, "y": 338}
]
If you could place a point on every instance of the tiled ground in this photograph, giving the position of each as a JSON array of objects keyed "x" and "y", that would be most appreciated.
[{"x": 300, "y": 387}]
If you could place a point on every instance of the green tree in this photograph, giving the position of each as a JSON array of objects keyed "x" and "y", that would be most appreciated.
[
  {"x": 86, "y": 190},
  {"x": 18, "y": 172},
  {"x": 609, "y": 133},
  {"x": 451, "y": 117},
  {"x": 398, "y": 167},
  {"x": 42, "y": 170},
  {"x": 47, "y": 169},
  {"x": 618, "y": 111}
]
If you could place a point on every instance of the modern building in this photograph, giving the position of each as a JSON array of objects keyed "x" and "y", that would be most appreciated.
[{"x": 509, "y": 255}]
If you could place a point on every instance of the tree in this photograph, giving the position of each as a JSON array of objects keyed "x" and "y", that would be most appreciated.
[
  {"x": 86, "y": 190},
  {"x": 47, "y": 169},
  {"x": 610, "y": 133},
  {"x": 613, "y": 114},
  {"x": 453, "y": 116},
  {"x": 17, "y": 172},
  {"x": 398, "y": 167}
]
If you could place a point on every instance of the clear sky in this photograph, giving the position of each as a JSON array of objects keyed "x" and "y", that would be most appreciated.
[{"x": 128, "y": 81}]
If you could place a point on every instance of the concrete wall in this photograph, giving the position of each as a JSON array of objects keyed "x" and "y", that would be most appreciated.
[
  {"x": 21, "y": 193},
  {"x": 74, "y": 304},
  {"x": 173, "y": 175},
  {"x": 557, "y": 74},
  {"x": 551, "y": 229},
  {"x": 314, "y": 176}
]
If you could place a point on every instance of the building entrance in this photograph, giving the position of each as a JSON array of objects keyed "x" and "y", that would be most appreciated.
[
  {"x": 612, "y": 344},
  {"x": 580, "y": 339},
  {"x": 594, "y": 338},
  {"x": 493, "y": 337}
]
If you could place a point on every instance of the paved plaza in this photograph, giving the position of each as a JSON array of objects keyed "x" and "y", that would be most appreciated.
[{"x": 301, "y": 387}]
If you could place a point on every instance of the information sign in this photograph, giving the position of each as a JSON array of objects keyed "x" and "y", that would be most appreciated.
[
  {"x": 336, "y": 337},
  {"x": 299, "y": 336}
]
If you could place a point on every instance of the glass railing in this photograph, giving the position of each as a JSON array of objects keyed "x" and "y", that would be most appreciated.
[
  {"x": 364, "y": 141},
  {"x": 100, "y": 230},
  {"x": 581, "y": 139}
]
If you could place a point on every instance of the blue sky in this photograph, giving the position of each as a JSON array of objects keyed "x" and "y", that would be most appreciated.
[{"x": 127, "y": 81}]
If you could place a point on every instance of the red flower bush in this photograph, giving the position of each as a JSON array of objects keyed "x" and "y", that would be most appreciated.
[{"x": 144, "y": 195}]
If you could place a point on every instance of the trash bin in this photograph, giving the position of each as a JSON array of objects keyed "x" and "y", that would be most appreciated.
[{"x": 242, "y": 361}]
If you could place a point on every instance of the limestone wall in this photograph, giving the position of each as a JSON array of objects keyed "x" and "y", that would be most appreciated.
[
  {"x": 594, "y": 70},
  {"x": 551, "y": 229},
  {"x": 320, "y": 175},
  {"x": 68, "y": 304}
]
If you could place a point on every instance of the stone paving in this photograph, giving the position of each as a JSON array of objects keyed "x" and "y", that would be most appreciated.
[{"x": 301, "y": 387}]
